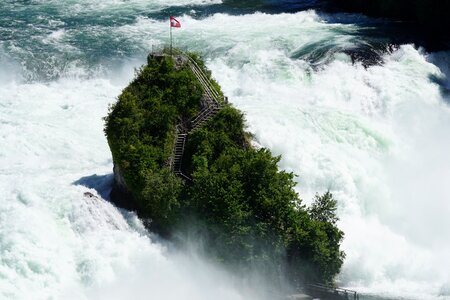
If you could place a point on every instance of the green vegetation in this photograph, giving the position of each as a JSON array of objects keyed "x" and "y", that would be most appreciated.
[
  {"x": 141, "y": 131},
  {"x": 244, "y": 207}
]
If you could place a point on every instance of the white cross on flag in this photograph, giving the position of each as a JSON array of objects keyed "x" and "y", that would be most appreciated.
[{"x": 174, "y": 22}]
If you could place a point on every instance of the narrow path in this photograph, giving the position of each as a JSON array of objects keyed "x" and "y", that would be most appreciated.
[{"x": 213, "y": 105}]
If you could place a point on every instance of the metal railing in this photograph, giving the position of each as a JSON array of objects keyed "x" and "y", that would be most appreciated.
[
  {"x": 205, "y": 81},
  {"x": 321, "y": 290},
  {"x": 214, "y": 102}
]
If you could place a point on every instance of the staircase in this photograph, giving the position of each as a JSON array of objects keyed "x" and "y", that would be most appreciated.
[
  {"x": 203, "y": 117},
  {"x": 178, "y": 154},
  {"x": 213, "y": 105}
]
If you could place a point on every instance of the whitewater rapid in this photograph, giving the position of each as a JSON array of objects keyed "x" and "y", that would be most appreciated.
[{"x": 376, "y": 137}]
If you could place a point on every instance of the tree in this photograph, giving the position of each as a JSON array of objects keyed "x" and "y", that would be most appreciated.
[{"x": 324, "y": 208}]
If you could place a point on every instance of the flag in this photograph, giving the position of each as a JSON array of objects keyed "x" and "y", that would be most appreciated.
[{"x": 174, "y": 22}]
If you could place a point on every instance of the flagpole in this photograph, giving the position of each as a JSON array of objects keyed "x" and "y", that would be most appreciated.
[{"x": 171, "y": 53}]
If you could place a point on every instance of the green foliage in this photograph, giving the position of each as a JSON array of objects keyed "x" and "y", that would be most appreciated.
[
  {"x": 160, "y": 196},
  {"x": 324, "y": 208},
  {"x": 140, "y": 129},
  {"x": 251, "y": 210},
  {"x": 244, "y": 193},
  {"x": 245, "y": 207},
  {"x": 326, "y": 251}
]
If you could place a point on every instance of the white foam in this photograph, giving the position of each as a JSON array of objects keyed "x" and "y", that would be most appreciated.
[
  {"x": 120, "y": 6},
  {"x": 376, "y": 137}
]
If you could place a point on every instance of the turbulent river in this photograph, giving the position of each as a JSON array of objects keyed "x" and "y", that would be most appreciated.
[{"x": 346, "y": 111}]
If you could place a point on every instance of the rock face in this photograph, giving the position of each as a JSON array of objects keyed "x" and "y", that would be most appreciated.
[{"x": 120, "y": 193}]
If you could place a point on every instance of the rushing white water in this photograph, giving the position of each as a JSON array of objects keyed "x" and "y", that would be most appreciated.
[{"x": 376, "y": 137}]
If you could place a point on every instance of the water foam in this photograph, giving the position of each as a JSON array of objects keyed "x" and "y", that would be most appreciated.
[{"x": 375, "y": 137}]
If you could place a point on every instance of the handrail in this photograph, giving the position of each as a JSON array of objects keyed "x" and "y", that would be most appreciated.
[
  {"x": 205, "y": 81},
  {"x": 332, "y": 290},
  {"x": 203, "y": 75},
  {"x": 205, "y": 78},
  {"x": 208, "y": 86},
  {"x": 203, "y": 113},
  {"x": 214, "y": 102},
  {"x": 205, "y": 85}
]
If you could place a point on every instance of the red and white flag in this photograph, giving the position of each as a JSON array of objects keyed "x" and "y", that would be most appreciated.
[{"x": 174, "y": 22}]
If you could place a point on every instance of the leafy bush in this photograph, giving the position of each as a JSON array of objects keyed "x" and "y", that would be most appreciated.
[{"x": 140, "y": 129}]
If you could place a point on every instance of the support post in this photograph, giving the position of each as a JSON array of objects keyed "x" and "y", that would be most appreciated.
[{"x": 171, "y": 47}]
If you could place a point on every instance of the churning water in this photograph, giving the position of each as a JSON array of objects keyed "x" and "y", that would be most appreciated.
[{"x": 375, "y": 134}]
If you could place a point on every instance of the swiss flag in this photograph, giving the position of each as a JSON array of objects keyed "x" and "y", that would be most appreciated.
[{"x": 174, "y": 22}]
